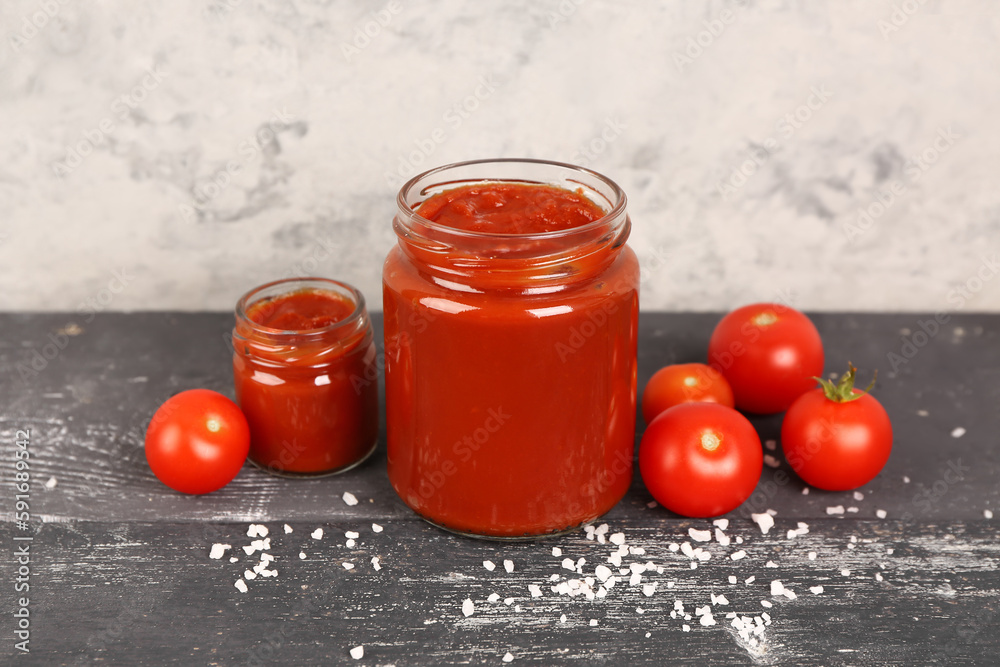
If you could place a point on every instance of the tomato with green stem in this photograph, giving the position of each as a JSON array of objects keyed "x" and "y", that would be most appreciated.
[{"x": 837, "y": 437}]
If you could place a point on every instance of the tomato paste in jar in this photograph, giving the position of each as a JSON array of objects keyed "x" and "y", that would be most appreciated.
[
  {"x": 511, "y": 306},
  {"x": 304, "y": 367}
]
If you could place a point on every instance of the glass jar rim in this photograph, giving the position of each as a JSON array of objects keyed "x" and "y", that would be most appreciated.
[
  {"x": 617, "y": 207},
  {"x": 306, "y": 282}
]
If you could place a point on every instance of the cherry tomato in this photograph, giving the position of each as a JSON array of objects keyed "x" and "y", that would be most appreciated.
[
  {"x": 700, "y": 459},
  {"x": 197, "y": 441},
  {"x": 837, "y": 437},
  {"x": 684, "y": 383},
  {"x": 769, "y": 353}
]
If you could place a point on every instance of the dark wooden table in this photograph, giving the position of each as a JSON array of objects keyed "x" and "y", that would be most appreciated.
[{"x": 120, "y": 570}]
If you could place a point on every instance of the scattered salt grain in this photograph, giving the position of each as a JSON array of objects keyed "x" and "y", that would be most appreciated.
[
  {"x": 508, "y": 657},
  {"x": 51, "y": 484},
  {"x": 812, "y": 555},
  {"x": 686, "y": 628},
  {"x": 376, "y": 528},
  {"x": 721, "y": 538},
  {"x": 845, "y": 573},
  {"x": 317, "y": 534},
  {"x": 593, "y": 622},
  {"x": 764, "y": 520},
  {"x": 468, "y": 608},
  {"x": 508, "y": 601},
  {"x": 376, "y": 563},
  {"x": 859, "y": 496},
  {"x": 771, "y": 444},
  {"x": 508, "y": 565},
  {"x": 766, "y": 603},
  {"x": 562, "y": 619},
  {"x": 770, "y": 563},
  {"x": 617, "y": 538},
  {"x": 351, "y": 535},
  {"x": 489, "y": 565},
  {"x": 853, "y": 510},
  {"x": 556, "y": 551},
  {"x": 880, "y": 514},
  {"x": 651, "y": 504},
  {"x": 700, "y": 535},
  {"x": 347, "y": 565},
  {"x": 816, "y": 590},
  {"x": 805, "y": 490},
  {"x": 737, "y": 555},
  {"x": 249, "y": 574},
  {"x": 493, "y": 598},
  {"x": 241, "y": 586},
  {"x": 732, "y": 579},
  {"x": 878, "y": 577},
  {"x": 719, "y": 599},
  {"x": 906, "y": 480},
  {"x": 287, "y": 528},
  {"x": 721, "y": 524},
  {"x": 349, "y": 498},
  {"x": 602, "y": 572},
  {"x": 358, "y": 652},
  {"x": 771, "y": 461},
  {"x": 750, "y": 580},
  {"x": 648, "y": 589},
  {"x": 958, "y": 432},
  {"x": 350, "y": 544},
  {"x": 988, "y": 514},
  {"x": 673, "y": 546},
  {"x": 218, "y": 550},
  {"x": 302, "y": 555},
  {"x": 233, "y": 559},
  {"x": 836, "y": 509},
  {"x": 535, "y": 591},
  {"x": 777, "y": 588},
  {"x": 568, "y": 564}
]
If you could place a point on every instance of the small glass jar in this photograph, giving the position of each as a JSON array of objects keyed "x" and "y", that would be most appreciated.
[
  {"x": 309, "y": 395},
  {"x": 511, "y": 360}
]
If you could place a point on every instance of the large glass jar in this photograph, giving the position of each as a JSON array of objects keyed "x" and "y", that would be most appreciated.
[
  {"x": 304, "y": 365},
  {"x": 511, "y": 360}
]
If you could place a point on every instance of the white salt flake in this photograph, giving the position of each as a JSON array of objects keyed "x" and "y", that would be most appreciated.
[
  {"x": 508, "y": 601},
  {"x": 766, "y": 603},
  {"x": 906, "y": 480},
  {"x": 719, "y": 599},
  {"x": 241, "y": 586},
  {"x": 721, "y": 524},
  {"x": 686, "y": 628},
  {"x": 358, "y": 652},
  {"x": 568, "y": 564},
  {"x": 777, "y": 588},
  {"x": 721, "y": 537},
  {"x": 732, "y": 579},
  {"x": 738, "y": 555},
  {"x": 859, "y": 496},
  {"x": 352, "y": 535},
  {"x": 317, "y": 534},
  {"x": 707, "y": 620},
  {"x": 958, "y": 432},
  {"x": 218, "y": 550},
  {"x": 878, "y": 576},
  {"x": 350, "y": 544},
  {"x": 636, "y": 551},
  {"x": 347, "y": 565},
  {"x": 602, "y": 572},
  {"x": 349, "y": 498},
  {"x": 562, "y": 619},
  {"x": 750, "y": 580},
  {"x": 700, "y": 535},
  {"x": 535, "y": 591},
  {"x": 376, "y": 563},
  {"x": 493, "y": 598},
  {"x": 468, "y": 608},
  {"x": 489, "y": 565},
  {"x": 287, "y": 528},
  {"x": 593, "y": 622},
  {"x": 988, "y": 514},
  {"x": 836, "y": 509},
  {"x": 764, "y": 520},
  {"x": 770, "y": 563},
  {"x": 51, "y": 483},
  {"x": 376, "y": 528},
  {"x": 673, "y": 546},
  {"x": 881, "y": 514},
  {"x": 805, "y": 490},
  {"x": 816, "y": 590},
  {"x": 845, "y": 573},
  {"x": 302, "y": 555},
  {"x": 508, "y": 657},
  {"x": 651, "y": 504},
  {"x": 508, "y": 565},
  {"x": 249, "y": 549},
  {"x": 771, "y": 461},
  {"x": 249, "y": 574},
  {"x": 812, "y": 555},
  {"x": 556, "y": 551},
  {"x": 233, "y": 559},
  {"x": 771, "y": 444},
  {"x": 617, "y": 538},
  {"x": 853, "y": 510},
  {"x": 649, "y": 589}
]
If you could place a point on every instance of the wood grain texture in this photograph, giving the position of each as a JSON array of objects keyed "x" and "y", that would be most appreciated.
[{"x": 122, "y": 575}]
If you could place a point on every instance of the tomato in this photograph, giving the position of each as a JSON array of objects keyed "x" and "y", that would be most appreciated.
[
  {"x": 837, "y": 437},
  {"x": 769, "y": 353},
  {"x": 700, "y": 459},
  {"x": 197, "y": 441},
  {"x": 684, "y": 383}
]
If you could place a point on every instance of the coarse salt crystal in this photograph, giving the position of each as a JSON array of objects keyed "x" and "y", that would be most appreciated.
[
  {"x": 878, "y": 576},
  {"x": 859, "y": 496},
  {"x": 686, "y": 628},
  {"x": 636, "y": 551},
  {"x": 349, "y": 498},
  {"x": 770, "y": 563},
  {"x": 358, "y": 652},
  {"x": 617, "y": 538},
  {"x": 489, "y": 565},
  {"x": 816, "y": 590},
  {"x": 602, "y": 572},
  {"x": 719, "y": 599},
  {"x": 721, "y": 524},
  {"x": 376, "y": 563},
  {"x": 535, "y": 591},
  {"x": 721, "y": 537},
  {"x": 906, "y": 480},
  {"x": 764, "y": 520},
  {"x": 889, "y": 550},
  {"x": 351, "y": 535},
  {"x": 593, "y": 622},
  {"x": 562, "y": 619},
  {"x": 750, "y": 580},
  {"x": 648, "y": 589},
  {"x": 347, "y": 565},
  {"x": 700, "y": 535},
  {"x": 852, "y": 509},
  {"x": 493, "y": 598},
  {"x": 958, "y": 432},
  {"x": 233, "y": 559},
  {"x": 651, "y": 504},
  {"x": 777, "y": 588},
  {"x": 707, "y": 620},
  {"x": 881, "y": 514},
  {"x": 845, "y": 573},
  {"x": 249, "y": 574},
  {"x": 836, "y": 509},
  {"x": 988, "y": 514},
  {"x": 302, "y": 555},
  {"x": 673, "y": 546},
  {"x": 350, "y": 544},
  {"x": 51, "y": 483},
  {"x": 376, "y": 528},
  {"x": 287, "y": 528},
  {"x": 771, "y": 444},
  {"x": 556, "y": 551},
  {"x": 737, "y": 555},
  {"x": 766, "y": 603},
  {"x": 732, "y": 579},
  {"x": 805, "y": 490},
  {"x": 241, "y": 586},
  {"x": 508, "y": 657},
  {"x": 218, "y": 550},
  {"x": 568, "y": 564},
  {"x": 508, "y": 601},
  {"x": 317, "y": 534},
  {"x": 771, "y": 461},
  {"x": 468, "y": 608},
  {"x": 812, "y": 555}
]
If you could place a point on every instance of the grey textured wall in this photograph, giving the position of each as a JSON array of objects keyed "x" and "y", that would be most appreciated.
[{"x": 173, "y": 155}]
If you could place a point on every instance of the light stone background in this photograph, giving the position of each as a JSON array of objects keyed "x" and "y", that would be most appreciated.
[{"x": 120, "y": 119}]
